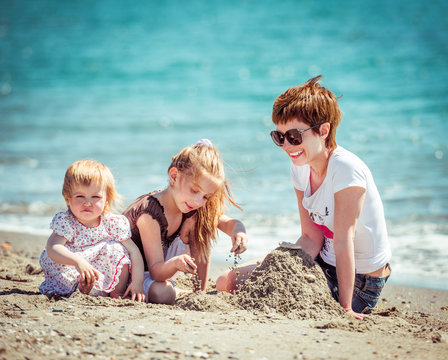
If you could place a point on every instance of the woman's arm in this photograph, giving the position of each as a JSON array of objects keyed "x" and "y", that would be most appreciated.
[
  {"x": 160, "y": 269},
  {"x": 57, "y": 252},
  {"x": 347, "y": 208},
  {"x": 312, "y": 237},
  {"x": 236, "y": 230}
]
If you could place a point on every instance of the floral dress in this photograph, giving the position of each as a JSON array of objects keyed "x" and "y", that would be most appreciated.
[{"x": 100, "y": 246}]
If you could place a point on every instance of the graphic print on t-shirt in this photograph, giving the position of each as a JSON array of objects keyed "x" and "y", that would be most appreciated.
[{"x": 319, "y": 221}]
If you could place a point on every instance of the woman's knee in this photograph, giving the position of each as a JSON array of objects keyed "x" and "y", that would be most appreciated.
[{"x": 162, "y": 293}]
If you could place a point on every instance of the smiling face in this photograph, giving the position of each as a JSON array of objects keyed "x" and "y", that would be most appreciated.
[
  {"x": 312, "y": 144},
  {"x": 87, "y": 203},
  {"x": 191, "y": 193}
]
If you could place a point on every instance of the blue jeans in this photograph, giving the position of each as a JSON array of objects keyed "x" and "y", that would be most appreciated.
[{"x": 366, "y": 292}]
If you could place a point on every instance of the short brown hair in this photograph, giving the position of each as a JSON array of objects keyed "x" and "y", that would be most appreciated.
[
  {"x": 311, "y": 103},
  {"x": 86, "y": 172}
]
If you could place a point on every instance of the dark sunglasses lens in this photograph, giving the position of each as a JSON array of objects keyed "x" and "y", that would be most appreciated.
[
  {"x": 294, "y": 137},
  {"x": 277, "y": 137}
]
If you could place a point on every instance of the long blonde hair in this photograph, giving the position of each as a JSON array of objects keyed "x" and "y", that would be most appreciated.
[
  {"x": 86, "y": 172},
  {"x": 203, "y": 159}
]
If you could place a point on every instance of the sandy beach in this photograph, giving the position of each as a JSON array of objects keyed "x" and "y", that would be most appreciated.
[{"x": 267, "y": 320}]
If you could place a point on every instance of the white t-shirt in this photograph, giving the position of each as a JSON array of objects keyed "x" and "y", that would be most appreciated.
[{"x": 371, "y": 244}]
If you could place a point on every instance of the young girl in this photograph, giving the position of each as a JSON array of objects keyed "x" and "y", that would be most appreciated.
[
  {"x": 174, "y": 228},
  {"x": 90, "y": 248}
]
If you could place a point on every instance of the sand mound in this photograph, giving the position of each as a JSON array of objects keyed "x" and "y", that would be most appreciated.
[
  {"x": 291, "y": 283},
  {"x": 288, "y": 282},
  {"x": 202, "y": 301}
]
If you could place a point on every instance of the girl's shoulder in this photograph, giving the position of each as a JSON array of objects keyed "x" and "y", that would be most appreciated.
[
  {"x": 64, "y": 217},
  {"x": 108, "y": 216},
  {"x": 64, "y": 224},
  {"x": 155, "y": 209},
  {"x": 117, "y": 225},
  {"x": 111, "y": 218},
  {"x": 142, "y": 204}
]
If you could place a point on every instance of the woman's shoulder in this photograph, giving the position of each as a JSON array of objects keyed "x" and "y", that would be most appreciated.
[
  {"x": 346, "y": 169},
  {"x": 300, "y": 176},
  {"x": 343, "y": 158}
]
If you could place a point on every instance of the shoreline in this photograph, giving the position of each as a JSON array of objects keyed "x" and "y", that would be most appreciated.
[
  {"x": 410, "y": 322},
  {"x": 34, "y": 244}
]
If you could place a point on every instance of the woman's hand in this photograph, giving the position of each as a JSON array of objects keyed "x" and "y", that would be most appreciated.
[
  {"x": 356, "y": 315},
  {"x": 239, "y": 242},
  {"x": 135, "y": 290},
  {"x": 185, "y": 263}
]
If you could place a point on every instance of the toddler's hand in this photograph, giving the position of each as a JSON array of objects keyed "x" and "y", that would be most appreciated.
[
  {"x": 185, "y": 263},
  {"x": 239, "y": 243},
  {"x": 87, "y": 272},
  {"x": 136, "y": 291}
]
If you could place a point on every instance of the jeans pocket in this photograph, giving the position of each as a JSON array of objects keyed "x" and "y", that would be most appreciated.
[{"x": 367, "y": 292}]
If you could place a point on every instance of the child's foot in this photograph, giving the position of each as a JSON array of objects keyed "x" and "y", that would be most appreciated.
[{"x": 84, "y": 287}]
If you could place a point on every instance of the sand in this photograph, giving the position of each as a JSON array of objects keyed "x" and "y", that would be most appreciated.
[{"x": 284, "y": 311}]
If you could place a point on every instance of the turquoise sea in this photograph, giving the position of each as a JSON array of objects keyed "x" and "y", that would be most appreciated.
[{"x": 129, "y": 84}]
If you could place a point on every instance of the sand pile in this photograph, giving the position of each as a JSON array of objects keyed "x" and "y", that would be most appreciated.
[
  {"x": 288, "y": 282},
  {"x": 291, "y": 283},
  {"x": 206, "y": 301}
]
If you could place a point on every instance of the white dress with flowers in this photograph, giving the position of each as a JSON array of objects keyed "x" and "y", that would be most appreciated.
[{"x": 100, "y": 246}]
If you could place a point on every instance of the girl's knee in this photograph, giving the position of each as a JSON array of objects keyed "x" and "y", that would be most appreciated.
[
  {"x": 122, "y": 285},
  {"x": 226, "y": 281},
  {"x": 162, "y": 293}
]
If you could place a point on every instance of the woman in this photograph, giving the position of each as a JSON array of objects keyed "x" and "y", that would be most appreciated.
[{"x": 341, "y": 212}]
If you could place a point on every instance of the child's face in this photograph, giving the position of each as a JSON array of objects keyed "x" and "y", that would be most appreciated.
[
  {"x": 191, "y": 193},
  {"x": 87, "y": 203}
]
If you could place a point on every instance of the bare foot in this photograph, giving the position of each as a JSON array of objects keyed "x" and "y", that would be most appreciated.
[{"x": 84, "y": 287}]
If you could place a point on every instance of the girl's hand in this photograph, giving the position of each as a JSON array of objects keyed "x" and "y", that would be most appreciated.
[
  {"x": 87, "y": 272},
  {"x": 136, "y": 291},
  {"x": 186, "y": 264},
  {"x": 239, "y": 242}
]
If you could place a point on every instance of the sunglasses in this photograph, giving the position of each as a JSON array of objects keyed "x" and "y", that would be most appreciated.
[{"x": 294, "y": 136}]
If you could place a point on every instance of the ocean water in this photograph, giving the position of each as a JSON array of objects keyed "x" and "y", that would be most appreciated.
[{"x": 130, "y": 85}]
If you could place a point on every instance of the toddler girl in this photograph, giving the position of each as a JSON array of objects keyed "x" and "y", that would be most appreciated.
[
  {"x": 90, "y": 248},
  {"x": 174, "y": 228}
]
